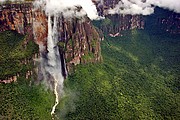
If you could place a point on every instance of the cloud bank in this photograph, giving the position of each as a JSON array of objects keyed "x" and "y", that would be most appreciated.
[
  {"x": 69, "y": 8},
  {"x": 72, "y": 8},
  {"x": 173, "y": 5},
  {"x": 144, "y": 7},
  {"x": 132, "y": 7}
]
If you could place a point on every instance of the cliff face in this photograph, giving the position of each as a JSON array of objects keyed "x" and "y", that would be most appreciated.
[
  {"x": 78, "y": 42},
  {"x": 170, "y": 24},
  {"x": 117, "y": 23},
  {"x": 161, "y": 21},
  {"x": 82, "y": 43},
  {"x": 15, "y": 17}
]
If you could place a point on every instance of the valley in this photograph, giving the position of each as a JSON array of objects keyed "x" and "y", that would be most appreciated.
[{"x": 116, "y": 60}]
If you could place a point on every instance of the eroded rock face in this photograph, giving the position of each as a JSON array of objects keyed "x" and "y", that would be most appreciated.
[
  {"x": 162, "y": 20},
  {"x": 117, "y": 23},
  {"x": 171, "y": 24},
  {"x": 82, "y": 42},
  {"x": 40, "y": 28},
  {"x": 79, "y": 41},
  {"x": 15, "y": 17}
]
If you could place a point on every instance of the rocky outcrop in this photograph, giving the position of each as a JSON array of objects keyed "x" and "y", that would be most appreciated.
[
  {"x": 14, "y": 78},
  {"x": 27, "y": 74},
  {"x": 82, "y": 42},
  {"x": 79, "y": 41},
  {"x": 16, "y": 17},
  {"x": 117, "y": 23},
  {"x": 102, "y": 7},
  {"x": 170, "y": 24},
  {"x": 9, "y": 79}
]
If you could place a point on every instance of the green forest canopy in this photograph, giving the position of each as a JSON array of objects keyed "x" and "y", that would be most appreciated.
[{"x": 138, "y": 79}]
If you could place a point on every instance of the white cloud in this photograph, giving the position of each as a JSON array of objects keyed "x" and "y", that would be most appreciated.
[
  {"x": 144, "y": 7},
  {"x": 132, "y": 7},
  {"x": 67, "y": 7},
  {"x": 173, "y": 5}
]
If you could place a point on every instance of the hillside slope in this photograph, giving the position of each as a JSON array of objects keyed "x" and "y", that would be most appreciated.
[{"x": 139, "y": 79}]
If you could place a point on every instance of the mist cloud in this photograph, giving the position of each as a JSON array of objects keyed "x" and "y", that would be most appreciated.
[
  {"x": 69, "y": 8},
  {"x": 132, "y": 7},
  {"x": 173, "y": 5},
  {"x": 144, "y": 7}
]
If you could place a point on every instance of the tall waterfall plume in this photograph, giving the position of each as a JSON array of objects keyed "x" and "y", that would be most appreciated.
[
  {"x": 54, "y": 61},
  {"x": 50, "y": 65}
]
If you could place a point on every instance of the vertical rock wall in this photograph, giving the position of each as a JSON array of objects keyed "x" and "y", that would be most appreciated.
[{"x": 79, "y": 41}]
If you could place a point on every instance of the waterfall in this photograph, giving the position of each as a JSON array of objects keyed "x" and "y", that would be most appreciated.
[
  {"x": 52, "y": 66},
  {"x": 65, "y": 37},
  {"x": 54, "y": 61}
]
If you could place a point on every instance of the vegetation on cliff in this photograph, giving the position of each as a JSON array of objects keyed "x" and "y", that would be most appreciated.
[
  {"x": 22, "y": 99},
  {"x": 13, "y": 50}
]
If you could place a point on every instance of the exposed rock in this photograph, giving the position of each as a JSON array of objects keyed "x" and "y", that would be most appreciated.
[
  {"x": 15, "y": 17},
  {"x": 27, "y": 74},
  {"x": 40, "y": 27},
  {"x": 117, "y": 23},
  {"x": 161, "y": 21},
  {"x": 81, "y": 41},
  {"x": 9, "y": 80}
]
